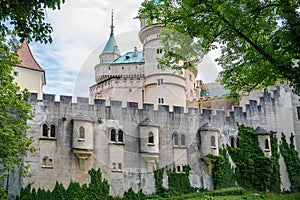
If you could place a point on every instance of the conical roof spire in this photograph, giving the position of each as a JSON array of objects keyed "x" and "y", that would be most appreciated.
[
  {"x": 112, "y": 23},
  {"x": 111, "y": 45}
]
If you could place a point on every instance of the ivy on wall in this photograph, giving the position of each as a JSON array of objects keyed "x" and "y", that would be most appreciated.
[
  {"x": 254, "y": 170},
  {"x": 222, "y": 174},
  {"x": 292, "y": 161},
  {"x": 179, "y": 183}
]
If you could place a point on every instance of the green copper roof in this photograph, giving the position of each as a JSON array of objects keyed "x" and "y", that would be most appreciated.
[
  {"x": 111, "y": 46},
  {"x": 130, "y": 57}
]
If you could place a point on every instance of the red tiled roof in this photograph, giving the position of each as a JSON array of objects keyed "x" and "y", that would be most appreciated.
[{"x": 27, "y": 59}]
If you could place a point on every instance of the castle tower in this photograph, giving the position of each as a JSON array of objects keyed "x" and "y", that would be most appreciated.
[
  {"x": 110, "y": 53},
  {"x": 29, "y": 69},
  {"x": 162, "y": 86}
]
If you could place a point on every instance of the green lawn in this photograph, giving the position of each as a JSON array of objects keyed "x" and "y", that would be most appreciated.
[{"x": 248, "y": 196}]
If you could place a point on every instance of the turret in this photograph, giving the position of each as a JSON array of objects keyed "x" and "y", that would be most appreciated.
[
  {"x": 264, "y": 140},
  {"x": 110, "y": 53}
]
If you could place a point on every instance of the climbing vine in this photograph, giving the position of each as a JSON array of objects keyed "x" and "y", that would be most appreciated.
[
  {"x": 158, "y": 176},
  {"x": 275, "y": 178},
  {"x": 291, "y": 160},
  {"x": 222, "y": 174},
  {"x": 254, "y": 170}
]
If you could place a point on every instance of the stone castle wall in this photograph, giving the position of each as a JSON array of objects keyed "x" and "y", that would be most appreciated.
[{"x": 273, "y": 112}]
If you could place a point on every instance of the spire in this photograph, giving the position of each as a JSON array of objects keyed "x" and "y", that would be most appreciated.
[{"x": 112, "y": 23}]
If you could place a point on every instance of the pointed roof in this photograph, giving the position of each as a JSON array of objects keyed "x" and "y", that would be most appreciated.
[
  {"x": 148, "y": 122},
  {"x": 111, "y": 45},
  {"x": 27, "y": 59}
]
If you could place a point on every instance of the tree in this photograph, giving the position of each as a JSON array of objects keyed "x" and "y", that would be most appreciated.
[
  {"x": 259, "y": 39},
  {"x": 27, "y": 18},
  {"x": 19, "y": 20}
]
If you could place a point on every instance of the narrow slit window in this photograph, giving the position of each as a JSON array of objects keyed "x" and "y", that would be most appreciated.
[
  {"x": 52, "y": 131},
  {"x": 151, "y": 138},
  {"x": 81, "y": 132}
]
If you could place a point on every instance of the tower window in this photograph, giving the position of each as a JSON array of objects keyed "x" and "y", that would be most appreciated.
[
  {"x": 15, "y": 74},
  {"x": 161, "y": 101},
  {"x": 213, "y": 141},
  {"x": 160, "y": 81},
  {"x": 150, "y": 138},
  {"x": 267, "y": 146},
  {"x": 159, "y": 66},
  {"x": 238, "y": 142},
  {"x": 81, "y": 133},
  {"x": 159, "y": 51}
]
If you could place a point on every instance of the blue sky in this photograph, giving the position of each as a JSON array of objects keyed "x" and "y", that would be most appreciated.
[{"x": 81, "y": 29}]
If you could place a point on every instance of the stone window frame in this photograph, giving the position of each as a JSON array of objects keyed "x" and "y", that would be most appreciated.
[
  {"x": 179, "y": 139},
  {"x": 180, "y": 169},
  {"x": 267, "y": 144},
  {"x": 117, "y": 167},
  {"x": 47, "y": 162},
  {"x": 159, "y": 50},
  {"x": 118, "y": 136},
  {"x": 150, "y": 139},
  {"x": 48, "y": 131},
  {"x": 235, "y": 141},
  {"x": 81, "y": 133},
  {"x": 213, "y": 142},
  {"x": 160, "y": 81}
]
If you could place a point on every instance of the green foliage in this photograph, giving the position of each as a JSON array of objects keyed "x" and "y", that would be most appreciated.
[
  {"x": 254, "y": 170},
  {"x": 275, "y": 177},
  {"x": 179, "y": 183},
  {"x": 131, "y": 195},
  {"x": 27, "y": 19},
  {"x": 222, "y": 174},
  {"x": 259, "y": 40},
  {"x": 3, "y": 194},
  {"x": 291, "y": 160},
  {"x": 158, "y": 176},
  {"x": 14, "y": 112},
  {"x": 97, "y": 189}
]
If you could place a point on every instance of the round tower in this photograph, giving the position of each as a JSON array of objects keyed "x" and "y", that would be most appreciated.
[{"x": 162, "y": 85}]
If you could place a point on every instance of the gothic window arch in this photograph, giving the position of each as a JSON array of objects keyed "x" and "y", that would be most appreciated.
[
  {"x": 150, "y": 138},
  {"x": 52, "y": 131},
  {"x": 267, "y": 146},
  {"x": 232, "y": 141},
  {"x": 182, "y": 140},
  {"x": 81, "y": 132},
  {"x": 45, "y": 130},
  {"x": 120, "y": 136},
  {"x": 113, "y": 135},
  {"x": 175, "y": 137},
  {"x": 212, "y": 141}
]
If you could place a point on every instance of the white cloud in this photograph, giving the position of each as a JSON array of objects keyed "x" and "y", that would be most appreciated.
[{"x": 79, "y": 27}]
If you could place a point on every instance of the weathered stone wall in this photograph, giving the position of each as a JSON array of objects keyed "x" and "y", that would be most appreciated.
[{"x": 273, "y": 112}]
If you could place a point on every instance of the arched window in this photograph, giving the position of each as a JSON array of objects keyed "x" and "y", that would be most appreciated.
[
  {"x": 212, "y": 141},
  {"x": 45, "y": 130},
  {"x": 182, "y": 140},
  {"x": 120, "y": 136},
  {"x": 267, "y": 144},
  {"x": 81, "y": 133},
  {"x": 150, "y": 138},
  {"x": 175, "y": 136},
  {"x": 113, "y": 135},
  {"x": 52, "y": 130},
  {"x": 238, "y": 142},
  {"x": 232, "y": 141}
]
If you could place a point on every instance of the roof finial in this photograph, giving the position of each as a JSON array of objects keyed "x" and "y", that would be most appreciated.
[{"x": 112, "y": 23}]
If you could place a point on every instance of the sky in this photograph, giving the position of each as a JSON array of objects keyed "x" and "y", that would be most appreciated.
[{"x": 81, "y": 29}]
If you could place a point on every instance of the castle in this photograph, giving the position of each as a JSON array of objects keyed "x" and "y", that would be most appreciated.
[{"x": 137, "y": 118}]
